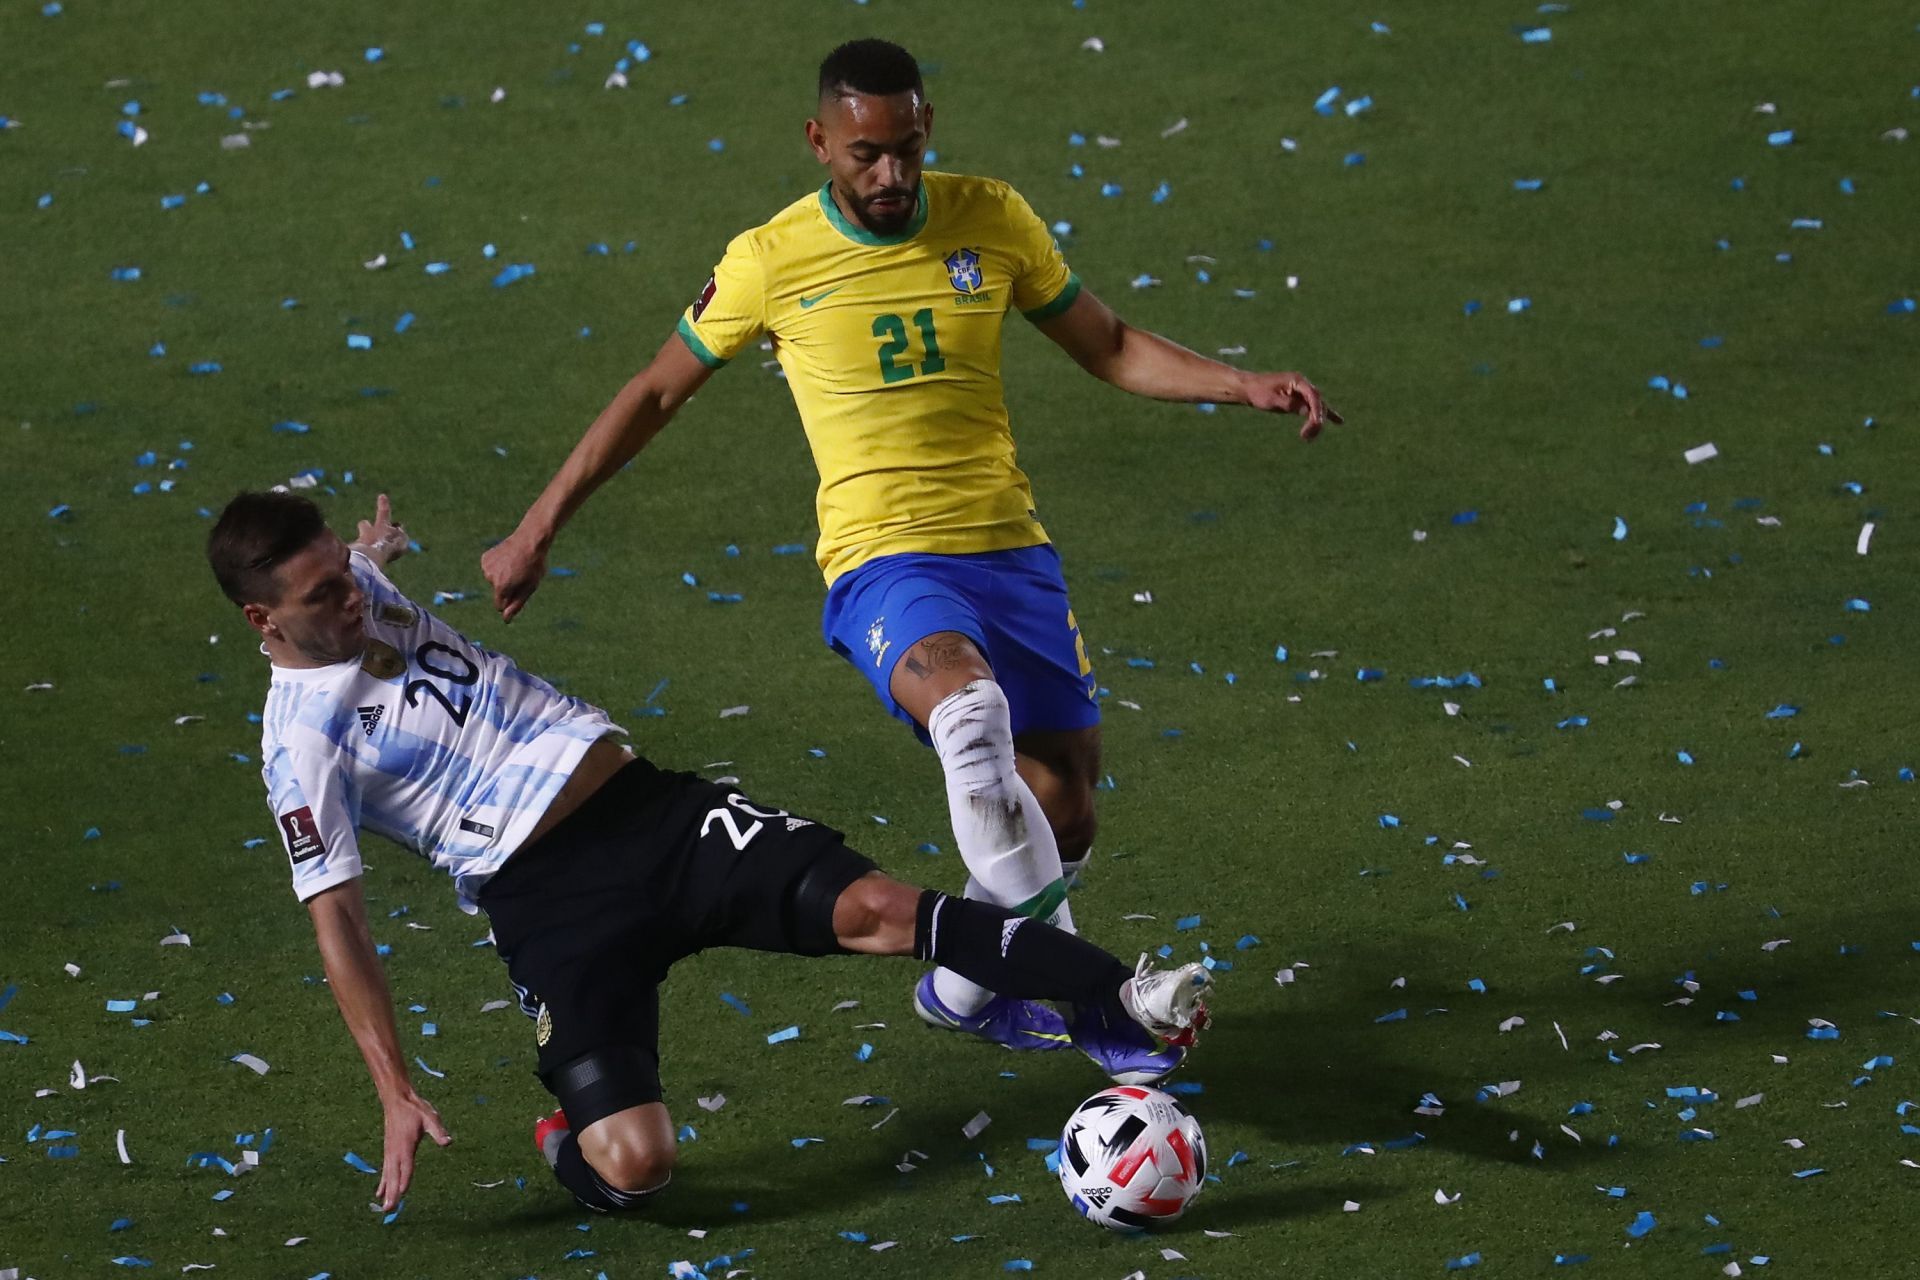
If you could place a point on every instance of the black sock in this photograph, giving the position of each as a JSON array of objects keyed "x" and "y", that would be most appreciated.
[
  {"x": 1007, "y": 953},
  {"x": 577, "y": 1176}
]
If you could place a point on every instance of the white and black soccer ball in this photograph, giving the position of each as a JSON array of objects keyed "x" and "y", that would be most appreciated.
[{"x": 1131, "y": 1158}]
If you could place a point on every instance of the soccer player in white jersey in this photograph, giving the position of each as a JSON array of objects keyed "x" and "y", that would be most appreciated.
[{"x": 596, "y": 869}]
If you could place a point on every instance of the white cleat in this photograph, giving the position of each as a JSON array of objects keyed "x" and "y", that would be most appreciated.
[{"x": 1169, "y": 1002}]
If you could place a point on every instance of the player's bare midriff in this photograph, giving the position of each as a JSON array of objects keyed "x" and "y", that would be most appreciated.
[{"x": 604, "y": 758}]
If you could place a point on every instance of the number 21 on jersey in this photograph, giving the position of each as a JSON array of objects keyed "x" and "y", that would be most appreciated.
[{"x": 894, "y": 330}]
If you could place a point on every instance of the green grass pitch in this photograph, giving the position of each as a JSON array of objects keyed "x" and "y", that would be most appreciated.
[{"x": 1247, "y": 791}]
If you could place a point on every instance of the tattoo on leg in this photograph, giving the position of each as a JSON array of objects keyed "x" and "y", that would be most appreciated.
[{"x": 941, "y": 655}]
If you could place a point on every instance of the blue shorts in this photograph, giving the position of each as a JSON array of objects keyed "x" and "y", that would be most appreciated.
[{"x": 1011, "y": 604}]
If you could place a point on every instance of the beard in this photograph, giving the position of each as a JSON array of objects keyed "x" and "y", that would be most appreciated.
[{"x": 884, "y": 223}]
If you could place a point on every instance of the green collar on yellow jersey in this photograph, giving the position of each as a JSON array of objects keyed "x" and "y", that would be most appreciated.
[{"x": 859, "y": 234}]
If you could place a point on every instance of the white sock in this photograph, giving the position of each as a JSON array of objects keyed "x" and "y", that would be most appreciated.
[{"x": 1009, "y": 850}]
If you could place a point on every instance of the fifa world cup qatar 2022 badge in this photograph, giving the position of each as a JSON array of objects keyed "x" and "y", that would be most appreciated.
[
  {"x": 302, "y": 833},
  {"x": 543, "y": 1026}
]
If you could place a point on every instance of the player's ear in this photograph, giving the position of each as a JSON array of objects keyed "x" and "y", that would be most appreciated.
[
  {"x": 926, "y": 119},
  {"x": 817, "y": 139},
  {"x": 259, "y": 619}
]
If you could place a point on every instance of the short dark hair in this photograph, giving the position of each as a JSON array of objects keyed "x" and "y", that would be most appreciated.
[
  {"x": 878, "y": 67},
  {"x": 255, "y": 535}
]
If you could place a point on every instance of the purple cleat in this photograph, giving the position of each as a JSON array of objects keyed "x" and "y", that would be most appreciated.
[
  {"x": 1024, "y": 1025},
  {"x": 1126, "y": 1051}
]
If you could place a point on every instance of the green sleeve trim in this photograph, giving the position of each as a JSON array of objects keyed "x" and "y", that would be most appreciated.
[
  {"x": 1061, "y": 301},
  {"x": 699, "y": 348}
]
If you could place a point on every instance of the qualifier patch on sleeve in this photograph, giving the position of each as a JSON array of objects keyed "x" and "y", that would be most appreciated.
[
  {"x": 706, "y": 296},
  {"x": 302, "y": 834}
]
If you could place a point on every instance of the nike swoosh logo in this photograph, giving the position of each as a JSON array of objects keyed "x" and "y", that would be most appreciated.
[{"x": 806, "y": 302}]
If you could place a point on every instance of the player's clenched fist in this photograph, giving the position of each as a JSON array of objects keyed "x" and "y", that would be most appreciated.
[{"x": 514, "y": 567}]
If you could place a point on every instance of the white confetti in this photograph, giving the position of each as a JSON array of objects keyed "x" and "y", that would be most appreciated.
[
  {"x": 251, "y": 1063},
  {"x": 120, "y": 1145},
  {"x": 1351, "y": 1206},
  {"x": 730, "y": 712},
  {"x": 1441, "y": 1197},
  {"x": 713, "y": 1103},
  {"x": 1178, "y": 126},
  {"x": 974, "y": 1127},
  {"x": 176, "y": 940},
  {"x": 1701, "y": 452},
  {"x": 1094, "y": 44},
  {"x": 1751, "y": 1100},
  {"x": 1509, "y": 1024},
  {"x": 494, "y": 1005},
  {"x": 1866, "y": 536}
]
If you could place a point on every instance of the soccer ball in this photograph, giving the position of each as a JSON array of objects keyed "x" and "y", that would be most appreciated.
[{"x": 1132, "y": 1158}]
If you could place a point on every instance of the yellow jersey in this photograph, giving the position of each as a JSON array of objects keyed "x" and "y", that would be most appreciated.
[{"x": 891, "y": 347}]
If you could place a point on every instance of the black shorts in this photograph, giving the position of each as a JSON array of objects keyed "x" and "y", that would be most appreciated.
[{"x": 654, "y": 867}]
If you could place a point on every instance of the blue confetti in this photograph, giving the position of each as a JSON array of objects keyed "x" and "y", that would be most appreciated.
[
  {"x": 1642, "y": 1223},
  {"x": 783, "y": 1035},
  {"x": 357, "y": 1162},
  {"x": 1463, "y": 1262}
]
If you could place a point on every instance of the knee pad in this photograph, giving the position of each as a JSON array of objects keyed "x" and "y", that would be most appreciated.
[{"x": 596, "y": 1084}]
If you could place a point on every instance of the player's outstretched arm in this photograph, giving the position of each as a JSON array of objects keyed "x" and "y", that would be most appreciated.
[
  {"x": 647, "y": 403},
  {"x": 380, "y": 539},
  {"x": 360, "y": 989},
  {"x": 1149, "y": 365}
]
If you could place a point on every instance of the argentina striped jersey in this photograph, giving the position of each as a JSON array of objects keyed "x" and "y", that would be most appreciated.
[{"x": 429, "y": 739}]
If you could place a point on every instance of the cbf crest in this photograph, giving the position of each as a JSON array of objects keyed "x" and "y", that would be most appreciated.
[{"x": 963, "y": 269}]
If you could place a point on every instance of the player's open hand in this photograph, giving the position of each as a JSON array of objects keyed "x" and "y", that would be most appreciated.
[
  {"x": 382, "y": 538},
  {"x": 409, "y": 1118},
  {"x": 514, "y": 566},
  {"x": 1291, "y": 393}
]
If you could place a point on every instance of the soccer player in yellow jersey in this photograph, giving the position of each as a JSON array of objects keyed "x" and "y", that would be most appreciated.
[{"x": 884, "y": 294}]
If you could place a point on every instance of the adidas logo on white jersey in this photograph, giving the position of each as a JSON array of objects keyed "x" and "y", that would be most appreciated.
[{"x": 370, "y": 717}]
